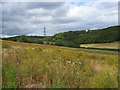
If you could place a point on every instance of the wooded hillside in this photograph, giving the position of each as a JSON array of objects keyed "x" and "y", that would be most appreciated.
[{"x": 73, "y": 38}]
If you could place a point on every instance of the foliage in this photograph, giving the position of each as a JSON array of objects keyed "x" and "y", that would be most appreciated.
[
  {"x": 9, "y": 74},
  {"x": 73, "y": 38},
  {"x": 27, "y": 39}
]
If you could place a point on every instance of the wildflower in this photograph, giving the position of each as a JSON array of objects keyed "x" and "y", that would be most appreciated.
[
  {"x": 60, "y": 57},
  {"x": 79, "y": 62},
  {"x": 47, "y": 66},
  {"x": 98, "y": 76},
  {"x": 72, "y": 65},
  {"x": 77, "y": 72},
  {"x": 17, "y": 77},
  {"x": 9, "y": 61},
  {"x": 68, "y": 62},
  {"x": 53, "y": 60}
]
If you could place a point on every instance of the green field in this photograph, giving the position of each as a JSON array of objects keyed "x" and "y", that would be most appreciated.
[
  {"x": 26, "y": 65},
  {"x": 93, "y": 51}
]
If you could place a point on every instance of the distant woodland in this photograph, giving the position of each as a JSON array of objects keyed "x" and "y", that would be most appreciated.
[{"x": 73, "y": 38}]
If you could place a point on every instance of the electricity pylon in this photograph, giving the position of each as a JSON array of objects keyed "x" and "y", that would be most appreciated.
[{"x": 44, "y": 34}]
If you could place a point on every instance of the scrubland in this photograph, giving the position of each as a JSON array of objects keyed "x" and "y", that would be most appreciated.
[{"x": 43, "y": 66}]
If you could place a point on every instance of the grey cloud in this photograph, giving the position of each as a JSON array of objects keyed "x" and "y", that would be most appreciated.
[
  {"x": 15, "y": 31},
  {"x": 105, "y": 5},
  {"x": 45, "y": 5},
  {"x": 65, "y": 20},
  {"x": 30, "y": 18}
]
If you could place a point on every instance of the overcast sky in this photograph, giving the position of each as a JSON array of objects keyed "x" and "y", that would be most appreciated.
[{"x": 29, "y": 18}]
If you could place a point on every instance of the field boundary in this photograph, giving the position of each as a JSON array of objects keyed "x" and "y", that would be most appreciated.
[{"x": 101, "y": 49}]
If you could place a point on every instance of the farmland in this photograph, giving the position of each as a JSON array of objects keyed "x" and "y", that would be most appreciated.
[
  {"x": 26, "y": 65},
  {"x": 113, "y": 45}
]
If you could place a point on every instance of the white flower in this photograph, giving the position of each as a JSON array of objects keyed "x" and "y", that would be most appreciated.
[
  {"x": 74, "y": 63},
  {"x": 60, "y": 57},
  {"x": 77, "y": 72},
  {"x": 79, "y": 62},
  {"x": 68, "y": 62},
  {"x": 47, "y": 66},
  {"x": 53, "y": 60}
]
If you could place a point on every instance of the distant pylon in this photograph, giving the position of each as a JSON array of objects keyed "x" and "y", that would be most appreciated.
[{"x": 44, "y": 32}]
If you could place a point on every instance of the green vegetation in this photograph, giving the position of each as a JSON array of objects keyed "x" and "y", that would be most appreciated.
[
  {"x": 78, "y": 61},
  {"x": 27, "y": 65},
  {"x": 26, "y": 39},
  {"x": 93, "y": 51},
  {"x": 73, "y": 38}
]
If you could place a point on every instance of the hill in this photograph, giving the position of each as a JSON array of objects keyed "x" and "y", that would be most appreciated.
[{"x": 73, "y": 38}]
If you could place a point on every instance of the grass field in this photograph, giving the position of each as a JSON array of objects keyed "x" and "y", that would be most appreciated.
[
  {"x": 44, "y": 66},
  {"x": 113, "y": 45},
  {"x": 93, "y": 51}
]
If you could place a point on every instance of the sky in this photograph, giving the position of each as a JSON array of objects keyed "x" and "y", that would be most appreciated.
[{"x": 29, "y": 18}]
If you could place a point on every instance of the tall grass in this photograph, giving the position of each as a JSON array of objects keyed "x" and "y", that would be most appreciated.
[{"x": 51, "y": 67}]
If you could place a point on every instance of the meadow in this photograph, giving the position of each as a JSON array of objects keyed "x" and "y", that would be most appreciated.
[{"x": 26, "y": 65}]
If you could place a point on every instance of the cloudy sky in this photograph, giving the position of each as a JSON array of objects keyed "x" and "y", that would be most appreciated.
[{"x": 29, "y": 18}]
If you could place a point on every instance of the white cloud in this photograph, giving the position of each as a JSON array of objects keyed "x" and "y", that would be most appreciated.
[
  {"x": 21, "y": 18},
  {"x": 58, "y": 0}
]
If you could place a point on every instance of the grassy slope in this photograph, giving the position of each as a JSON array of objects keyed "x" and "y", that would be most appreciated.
[
  {"x": 39, "y": 66},
  {"x": 93, "y": 51},
  {"x": 113, "y": 45}
]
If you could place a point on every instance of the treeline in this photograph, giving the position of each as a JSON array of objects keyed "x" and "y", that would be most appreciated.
[
  {"x": 73, "y": 38},
  {"x": 26, "y": 39}
]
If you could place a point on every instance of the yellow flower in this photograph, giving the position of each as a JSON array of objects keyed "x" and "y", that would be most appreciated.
[
  {"x": 98, "y": 76},
  {"x": 9, "y": 61}
]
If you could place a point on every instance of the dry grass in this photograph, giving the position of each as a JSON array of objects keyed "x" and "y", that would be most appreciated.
[
  {"x": 42, "y": 66},
  {"x": 113, "y": 45}
]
